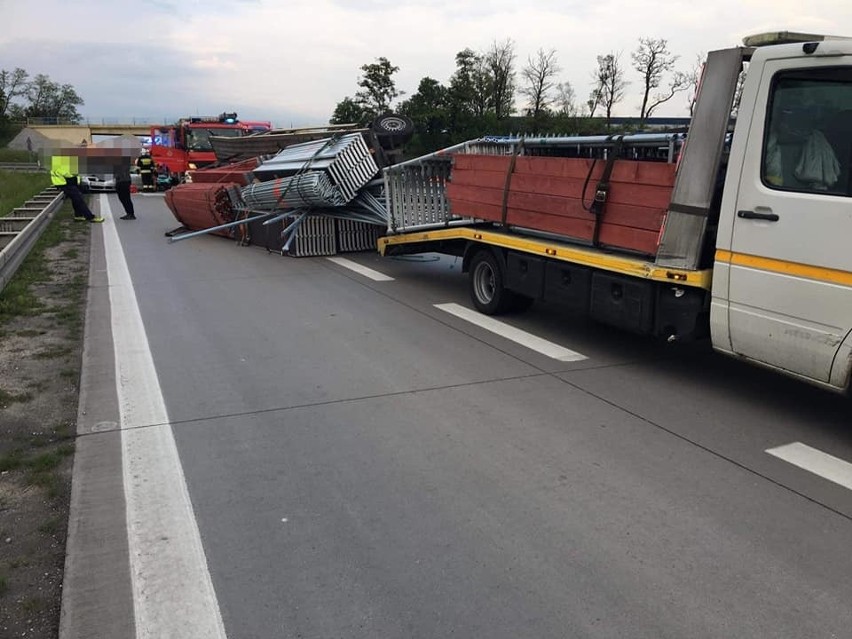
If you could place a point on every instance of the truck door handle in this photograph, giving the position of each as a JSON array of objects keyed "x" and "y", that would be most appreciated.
[{"x": 754, "y": 215}]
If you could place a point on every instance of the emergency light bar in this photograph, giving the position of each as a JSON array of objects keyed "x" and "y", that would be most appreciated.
[
  {"x": 227, "y": 118},
  {"x": 786, "y": 37}
]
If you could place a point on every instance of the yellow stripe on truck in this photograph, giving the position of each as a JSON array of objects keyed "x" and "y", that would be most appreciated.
[
  {"x": 795, "y": 269},
  {"x": 635, "y": 267}
]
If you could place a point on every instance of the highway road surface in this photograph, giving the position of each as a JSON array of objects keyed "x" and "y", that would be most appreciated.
[{"x": 325, "y": 448}]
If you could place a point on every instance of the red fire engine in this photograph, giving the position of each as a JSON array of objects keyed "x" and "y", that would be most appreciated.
[
  {"x": 256, "y": 126},
  {"x": 185, "y": 146}
]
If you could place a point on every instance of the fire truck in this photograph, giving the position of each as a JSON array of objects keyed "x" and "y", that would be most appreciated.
[
  {"x": 256, "y": 126},
  {"x": 185, "y": 146}
]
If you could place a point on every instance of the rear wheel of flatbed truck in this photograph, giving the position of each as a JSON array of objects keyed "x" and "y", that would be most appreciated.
[{"x": 487, "y": 286}]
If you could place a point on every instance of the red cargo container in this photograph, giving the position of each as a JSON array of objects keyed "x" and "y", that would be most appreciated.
[{"x": 546, "y": 194}]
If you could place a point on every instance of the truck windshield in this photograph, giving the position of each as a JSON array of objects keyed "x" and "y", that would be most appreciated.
[{"x": 198, "y": 139}]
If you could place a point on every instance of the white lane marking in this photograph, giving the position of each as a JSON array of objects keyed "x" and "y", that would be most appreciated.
[
  {"x": 815, "y": 461},
  {"x": 515, "y": 334},
  {"x": 173, "y": 594},
  {"x": 362, "y": 270}
]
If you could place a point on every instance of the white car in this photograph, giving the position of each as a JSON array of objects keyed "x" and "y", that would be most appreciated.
[{"x": 102, "y": 182}]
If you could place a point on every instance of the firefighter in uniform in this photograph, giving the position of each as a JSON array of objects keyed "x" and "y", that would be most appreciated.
[{"x": 145, "y": 164}]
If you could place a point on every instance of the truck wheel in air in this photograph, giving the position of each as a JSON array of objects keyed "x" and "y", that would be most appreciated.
[{"x": 487, "y": 291}]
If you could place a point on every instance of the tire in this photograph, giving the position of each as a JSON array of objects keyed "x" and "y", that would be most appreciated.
[
  {"x": 391, "y": 124},
  {"x": 487, "y": 291},
  {"x": 392, "y": 131}
]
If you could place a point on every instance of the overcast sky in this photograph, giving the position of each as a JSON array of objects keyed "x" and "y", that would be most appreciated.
[{"x": 291, "y": 61}]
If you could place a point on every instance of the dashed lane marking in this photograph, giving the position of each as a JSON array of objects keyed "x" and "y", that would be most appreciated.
[
  {"x": 533, "y": 342},
  {"x": 815, "y": 461},
  {"x": 361, "y": 270}
]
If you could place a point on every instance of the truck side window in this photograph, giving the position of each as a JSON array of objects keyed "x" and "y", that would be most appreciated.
[{"x": 808, "y": 141}]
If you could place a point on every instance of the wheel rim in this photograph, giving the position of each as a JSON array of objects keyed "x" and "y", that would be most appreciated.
[{"x": 483, "y": 282}]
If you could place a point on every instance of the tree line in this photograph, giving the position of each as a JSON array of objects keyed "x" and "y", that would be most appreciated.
[
  {"x": 483, "y": 92},
  {"x": 23, "y": 97}
]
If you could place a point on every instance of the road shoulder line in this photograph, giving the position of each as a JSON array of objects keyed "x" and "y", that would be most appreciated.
[
  {"x": 172, "y": 589},
  {"x": 97, "y": 596}
]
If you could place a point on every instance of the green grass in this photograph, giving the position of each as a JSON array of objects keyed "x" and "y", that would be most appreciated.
[
  {"x": 54, "y": 353},
  {"x": 34, "y": 605},
  {"x": 16, "y": 188},
  {"x": 36, "y": 440},
  {"x": 51, "y": 526},
  {"x": 35, "y": 465},
  {"x": 44, "y": 462},
  {"x": 7, "y": 398},
  {"x": 64, "y": 430},
  {"x": 17, "y": 299},
  {"x": 28, "y": 332},
  {"x": 47, "y": 480},
  {"x": 71, "y": 319},
  {"x": 41, "y": 469},
  {"x": 12, "y": 460},
  {"x": 16, "y": 155},
  {"x": 76, "y": 230},
  {"x": 70, "y": 312},
  {"x": 37, "y": 386}
]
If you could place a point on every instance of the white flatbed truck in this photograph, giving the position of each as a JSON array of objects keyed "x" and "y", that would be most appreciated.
[{"x": 755, "y": 250}]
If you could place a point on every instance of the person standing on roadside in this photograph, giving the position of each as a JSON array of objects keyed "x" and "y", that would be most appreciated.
[
  {"x": 63, "y": 175},
  {"x": 122, "y": 188}
]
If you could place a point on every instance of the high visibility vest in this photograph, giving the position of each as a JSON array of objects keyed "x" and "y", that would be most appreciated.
[
  {"x": 63, "y": 167},
  {"x": 145, "y": 164}
]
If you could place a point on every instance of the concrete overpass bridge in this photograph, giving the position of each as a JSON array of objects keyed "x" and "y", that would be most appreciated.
[{"x": 77, "y": 133}]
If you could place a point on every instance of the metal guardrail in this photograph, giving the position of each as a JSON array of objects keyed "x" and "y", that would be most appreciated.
[
  {"x": 24, "y": 167},
  {"x": 130, "y": 121},
  {"x": 20, "y": 230}
]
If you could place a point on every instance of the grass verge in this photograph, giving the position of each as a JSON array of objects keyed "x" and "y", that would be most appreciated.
[
  {"x": 16, "y": 188},
  {"x": 16, "y": 155},
  {"x": 41, "y": 320},
  {"x": 17, "y": 299}
]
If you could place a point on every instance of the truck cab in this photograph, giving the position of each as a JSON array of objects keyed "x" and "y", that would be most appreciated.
[
  {"x": 782, "y": 273},
  {"x": 186, "y": 145}
]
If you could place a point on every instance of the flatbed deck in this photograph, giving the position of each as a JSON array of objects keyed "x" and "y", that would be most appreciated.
[{"x": 547, "y": 248}]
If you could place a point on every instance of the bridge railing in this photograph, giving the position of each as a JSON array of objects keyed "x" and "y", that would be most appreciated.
[{"x": 134, "y": 121}]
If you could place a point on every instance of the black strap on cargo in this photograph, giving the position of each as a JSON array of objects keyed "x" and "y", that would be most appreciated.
[
  {"x": 508, "y": 184},
  {"x": 598, "y": 204}
]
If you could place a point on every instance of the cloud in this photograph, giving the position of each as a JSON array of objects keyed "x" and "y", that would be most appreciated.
[{"x": 293, "y": 61}]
